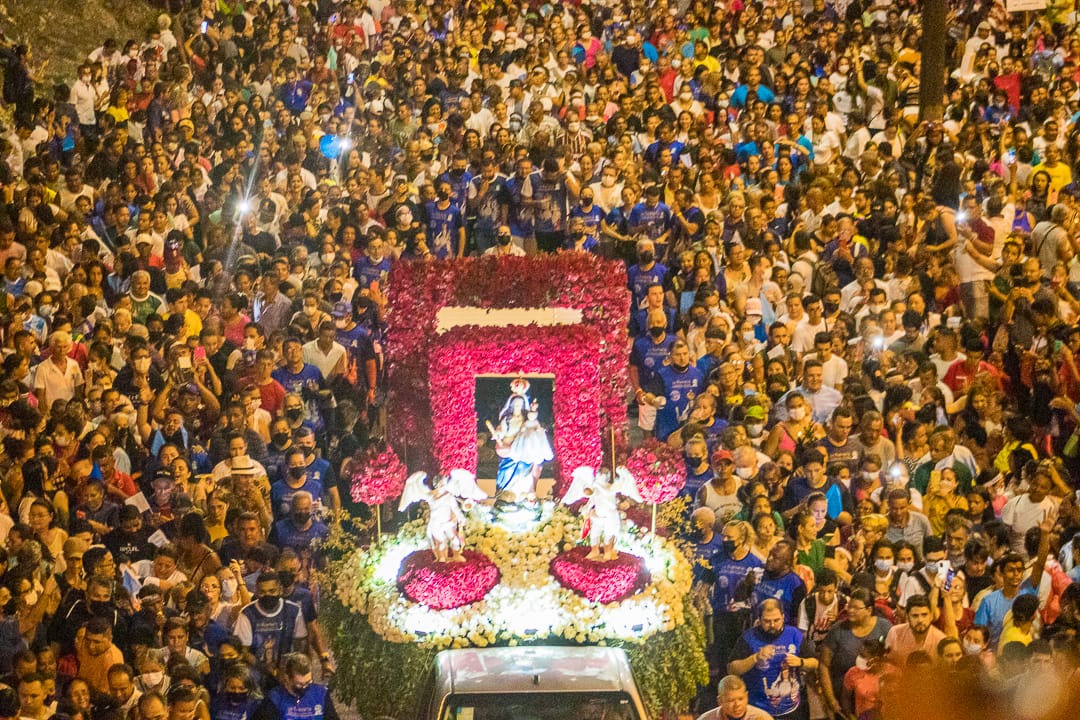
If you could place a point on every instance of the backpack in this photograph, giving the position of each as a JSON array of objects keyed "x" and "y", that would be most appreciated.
[
  {"x": 824, "y": 278},
  {"x": 1059, "y": 580}
]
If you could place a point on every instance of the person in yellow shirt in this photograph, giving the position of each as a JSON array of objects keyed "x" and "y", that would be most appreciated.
[
  {"x": 1020, "y": 621},
  {"x": 1059, "y": 172},
  {"x": 177, "y": 302}
]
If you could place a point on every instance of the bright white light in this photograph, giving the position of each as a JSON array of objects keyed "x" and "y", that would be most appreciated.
[
  {"x": 345, "y": 144},
  {"x": 245, "y": 206},
  {"x": 387, "y": 569}
]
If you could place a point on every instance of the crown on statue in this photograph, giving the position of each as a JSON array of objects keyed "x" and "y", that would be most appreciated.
[{"x": 519, "y": 386}]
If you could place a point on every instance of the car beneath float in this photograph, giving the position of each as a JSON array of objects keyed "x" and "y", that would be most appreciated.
[{"x": 530, "y": 683}]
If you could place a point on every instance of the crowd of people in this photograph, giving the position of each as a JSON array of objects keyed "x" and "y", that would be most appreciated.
[{"x": 859, "y": 327}]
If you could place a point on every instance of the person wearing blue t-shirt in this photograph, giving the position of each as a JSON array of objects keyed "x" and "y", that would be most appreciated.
[
  {"x": 780, "y": 581},
  {"x": 698, "y": 469},
  {"x": 589, "y": 215},
  {"x": 295, "y": 480},
  {"x": 752, "y": 85},
  {"x": 994, "y": 607},
  {"x": 678, "y": 383},
  {"x": 547, "y": 194},
  {"x": 444, "y": 224},
  {"x": 772, "y": 657},
  {"x": 652, "y": 219},
  {"x": 731, "y": 595},
  {"x": 459, "y": 178},
  {"x": 487, "y": 205},
  {"x": 647, "y": 355},
  {"x": 299, "y": 529},
  {"x": 645, "y": 273},
  {"x": 372, "y": 266},
  {"x": 299, "y": 377}
]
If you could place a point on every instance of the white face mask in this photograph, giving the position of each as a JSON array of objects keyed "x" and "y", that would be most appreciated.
[
  {"x": 327, "y": 258},
  {"x": 573, "y": 127},
  {"x": 229, "y": 586},
  {"x": 744, "y": 472},
  {"x": 607, "y": 181},
  {"x": 405, "y": 218},
  {"x": 152, "y": 679},
  {"x": 972, "y": 648},
  {"x": 142, "y": 365},
  {"x": 754, "y": 430},
  {"x": 797, "y": 414}
]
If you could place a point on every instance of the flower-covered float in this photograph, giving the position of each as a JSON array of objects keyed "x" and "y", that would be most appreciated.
[{"x": 474, "y": 566}]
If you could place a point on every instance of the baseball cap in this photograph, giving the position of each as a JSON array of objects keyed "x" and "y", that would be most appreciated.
[
  {"x": 242, "y": 465},
  {"x": 341, "y": 310},
  {"x": 753, "y": 306},
  {"x": 755, "y": 412},
  {"x": 720, "y": 456}
]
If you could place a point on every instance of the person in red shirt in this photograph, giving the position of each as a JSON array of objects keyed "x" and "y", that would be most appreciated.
[{"x": 962, "y": 373}]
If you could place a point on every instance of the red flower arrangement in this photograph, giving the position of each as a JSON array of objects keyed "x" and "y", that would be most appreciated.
[
  {"x": 658, "y": 469},
  {"x": 603, "y": 582},
  {"x": 375, "y": 475},
  {"x": 418, "y": 290},
  {"x": 443, "y": 586},
  {"x": 571, "y": 353}
]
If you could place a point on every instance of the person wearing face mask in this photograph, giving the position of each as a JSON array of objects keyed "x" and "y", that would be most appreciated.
[
  {"x": 297, "y": 696},
  {"x": 410, "y": 241},
  {"x": 607, "y": 191},
  {"x": 444, "y": 224},
  {"x": 504, "y": 244},
  {"x": 698, "y": 470},
  {"x": 295, "y": 479},
  {"x": 487, "y": 202},
  {"x": 236, "y": 700},
  {"x": 646, "y": 273},
  {"x": 754, "y": 422},
  {"x": 589, "y": 216},
  {"x": 772, "y": 657},
  {"x": 300, "y": 527},
  {"x": 270, "y": 627},
  {"x": 864, "y": 680},
  {"x": 289, "y": 571},
  {"x": 647, "y": 357},
  {"x": 730, "y": 602},
  {"x": 459, "y": 178},
  {"x": 923, "y": 580}
]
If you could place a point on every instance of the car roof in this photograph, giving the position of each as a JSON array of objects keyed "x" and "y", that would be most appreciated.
[{"x": 533, "y": 669}]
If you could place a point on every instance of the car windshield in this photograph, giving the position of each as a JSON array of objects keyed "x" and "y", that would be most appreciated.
[{"x": 541, "y": 706}]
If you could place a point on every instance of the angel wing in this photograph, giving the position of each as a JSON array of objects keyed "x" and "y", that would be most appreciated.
[
  {"x": 581, "y": 479},
  {"x": 626, "y": 485},
  {"x": 462, "y": 484},
  {"x": 415, "y": 490}
]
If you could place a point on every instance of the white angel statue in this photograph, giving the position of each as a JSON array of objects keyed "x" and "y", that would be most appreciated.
[
  {"x": 445, "y": 517},
  {"x": 602, "y": 520}
]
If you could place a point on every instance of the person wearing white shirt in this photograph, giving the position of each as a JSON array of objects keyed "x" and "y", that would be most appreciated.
[
  {"x": 1026, "y": 511},
  {"x": 325, "y": 353},
  {"x": 85, "y": 97},
  {"x": 833, "y": 367},
  {"x": 802, "y": 340}
]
